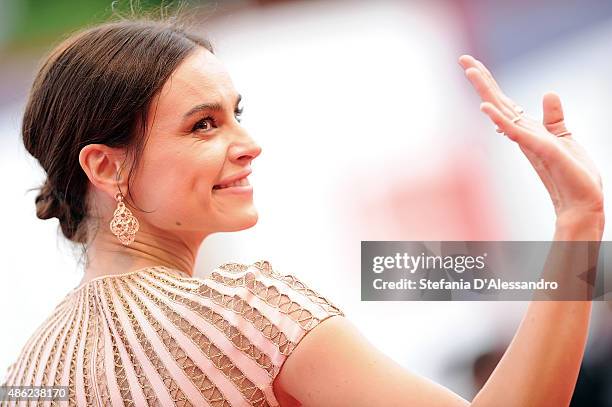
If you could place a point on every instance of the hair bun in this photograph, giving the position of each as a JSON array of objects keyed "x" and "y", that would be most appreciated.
[{"x": 47, "y": 204}]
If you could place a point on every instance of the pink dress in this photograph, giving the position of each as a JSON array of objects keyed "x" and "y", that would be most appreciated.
[{"x": 155, "y": 336}]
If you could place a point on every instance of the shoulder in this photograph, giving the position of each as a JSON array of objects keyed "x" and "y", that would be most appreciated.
[
  {"x": 285, "y": 293},
  {"x": 280, "y": 306},
  {"x": 48, "y": 332},
  {"x": 253, "y": 316},
  {"x": 336, "y": 365}
]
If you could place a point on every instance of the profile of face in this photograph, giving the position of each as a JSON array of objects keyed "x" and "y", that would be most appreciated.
[{"x": 192, "y": 175}]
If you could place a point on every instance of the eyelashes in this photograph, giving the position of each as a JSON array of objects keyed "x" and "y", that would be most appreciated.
[
  {"x": 199, "y": 125},
  {"x": 207, "y": 123}
]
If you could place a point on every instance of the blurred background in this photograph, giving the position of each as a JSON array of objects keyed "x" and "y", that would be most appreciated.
[{"x": 369, "y": 131}]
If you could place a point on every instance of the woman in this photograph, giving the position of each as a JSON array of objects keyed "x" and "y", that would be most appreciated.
[{"x": 152, "y": 100}]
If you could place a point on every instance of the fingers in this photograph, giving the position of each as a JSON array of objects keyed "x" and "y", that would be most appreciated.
[
  {"x": 553, "y": 111},
  {"x": 553, "y": 118},
  {"x": 522, "y": 136},
  {"x": 501, "y": 96},
  {"x": 467, "y": 61},
  {"x": 528, "y": 133},
  {"x": 497, "y": 97},
  {"x": 487, "y": 92}
]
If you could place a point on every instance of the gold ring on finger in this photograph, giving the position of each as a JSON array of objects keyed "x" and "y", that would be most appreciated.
[{"x": 519, "y": 115}]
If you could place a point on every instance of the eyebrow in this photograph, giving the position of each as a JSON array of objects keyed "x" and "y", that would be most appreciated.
[{"x": 209, "y": 106}]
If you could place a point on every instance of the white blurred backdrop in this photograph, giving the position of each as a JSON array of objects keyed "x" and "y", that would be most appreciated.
[{"x": 369, "y": 131}]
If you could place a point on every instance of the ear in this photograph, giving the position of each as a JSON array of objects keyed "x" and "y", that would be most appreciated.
[{"x": 103, "y": 166}]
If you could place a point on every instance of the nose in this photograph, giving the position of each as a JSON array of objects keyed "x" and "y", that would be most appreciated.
[{"x": 244, "y": 149}]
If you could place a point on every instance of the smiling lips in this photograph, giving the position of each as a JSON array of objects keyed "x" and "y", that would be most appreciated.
[
  {"x": 240, "y": 183},
  {"x": 238, "y": 180}
]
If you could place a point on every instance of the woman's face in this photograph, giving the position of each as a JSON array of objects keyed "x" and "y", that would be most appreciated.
[{"x": 195, "y": 144}]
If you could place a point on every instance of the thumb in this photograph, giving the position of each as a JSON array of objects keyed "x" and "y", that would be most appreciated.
[{"x": 553, "y": 113}]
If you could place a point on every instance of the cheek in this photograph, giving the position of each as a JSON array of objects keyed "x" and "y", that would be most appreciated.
[
  {"x": 203, "y": 175},
  {"x": 181, "y": 177}
]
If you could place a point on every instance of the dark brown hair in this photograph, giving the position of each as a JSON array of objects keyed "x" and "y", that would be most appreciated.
[{"x": 96, "y": 87}]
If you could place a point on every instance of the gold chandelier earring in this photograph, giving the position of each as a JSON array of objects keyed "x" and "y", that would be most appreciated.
[{"x": 124, "y": 225}]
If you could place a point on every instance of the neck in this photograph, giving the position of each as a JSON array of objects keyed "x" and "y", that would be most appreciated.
[{"x": 107, "y": 256}]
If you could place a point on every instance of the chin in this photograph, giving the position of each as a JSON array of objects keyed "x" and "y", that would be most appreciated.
[{"x": 243, "y": 222}]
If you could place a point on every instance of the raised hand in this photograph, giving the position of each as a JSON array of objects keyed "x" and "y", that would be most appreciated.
[{"x": 571, "y": 178}]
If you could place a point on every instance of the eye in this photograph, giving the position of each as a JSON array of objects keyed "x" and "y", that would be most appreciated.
[
  {"x": 204, "y": 124},
  {"x": 238, "y": 113}
]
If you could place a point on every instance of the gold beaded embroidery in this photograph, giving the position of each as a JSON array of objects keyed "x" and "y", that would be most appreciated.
[
  {"x": 234, "y": 267},
  {"x": 200, "y": 380},
  {"x": 15, "y": 369},
  {"x": 96, "y": 386},
  {"x": 248, "y": 389},
  {"x": 22, "y": 366},
  {"x": 272, "y": 296},
  {"x": 59, "y": 371},
  {"x": 82, "y": 322},
  {"x": 297, "y": 285},
  {"x": 265, "y": 267},
  {"x": 260, "y": 322},
  {"x": 73, "y": 363},
  {"x": 120, "y": 375},
  {"x": 35, "y": 353},
  {"x": 184, "y": 282},
  {"x": 239, "y": 341},
  {"x": 88, "y": 383},
  {"x": 100, "y": 364},
  {"x": 39, "y": 355},
  {"x": 140, "y": 375},
  {"x": 53, "y": 352}
]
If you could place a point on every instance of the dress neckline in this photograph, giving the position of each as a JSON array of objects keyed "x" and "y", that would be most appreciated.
[{"x": 128, "y": 273}]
